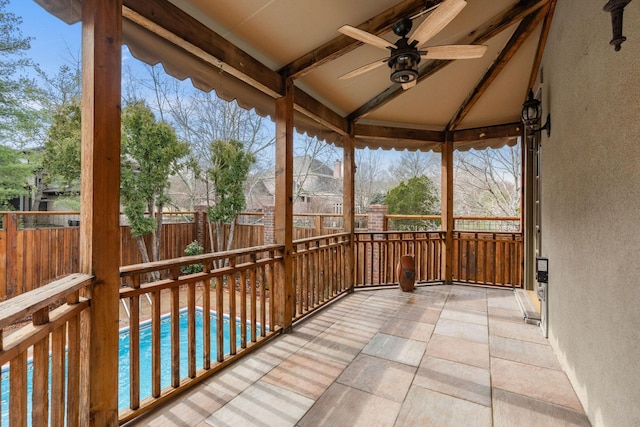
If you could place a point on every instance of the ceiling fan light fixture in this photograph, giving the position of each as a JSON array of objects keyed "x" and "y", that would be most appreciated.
[{"x": 404, "y": 67}]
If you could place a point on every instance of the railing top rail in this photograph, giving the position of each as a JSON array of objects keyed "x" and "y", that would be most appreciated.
[
  {"x": 399, "y": 216},
  {"x": 28, "y": 303},
  {"x": 40, "y": 213},
  {"x": 487, "y": 218},
  {"x": 319, "y": 215},
  {"x": 131, "y": 270},
  {"x": 316, "y": 238},
  {"x": 400, "y": 232}
]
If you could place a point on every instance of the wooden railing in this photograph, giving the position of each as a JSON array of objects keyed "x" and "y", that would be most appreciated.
[
  {"x": 49, "y": 345},
  {"x": 488, "y": 258},
  {"x": 377, "y": 255},
  {"x": 320, "y": 270},
  {"x": 235, "y": 284}
]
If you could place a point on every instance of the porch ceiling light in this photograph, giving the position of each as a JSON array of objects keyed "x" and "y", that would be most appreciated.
[
  {"x": 531, "y": 113},
  {"x": 404, "y": 65}
]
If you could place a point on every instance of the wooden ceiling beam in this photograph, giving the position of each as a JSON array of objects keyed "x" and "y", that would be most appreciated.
[
  {"x": 546, "y": 26},
  {"x": 509, "y": 130},
  {"x": 342, "y": 44},
  {"x": 395, "y": 133},
  {"x": 171, "y": 23},
  {"x": 520, "y": 35},
  {"x": 483, "y": 33},
  {"x": 313, "y": 109}
]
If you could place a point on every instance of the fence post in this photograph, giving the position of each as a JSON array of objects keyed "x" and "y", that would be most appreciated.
[
  {"x": 319, "y": 219},
  {"x": 376, "y": 222},
  {"x": 10, "y": 221}
]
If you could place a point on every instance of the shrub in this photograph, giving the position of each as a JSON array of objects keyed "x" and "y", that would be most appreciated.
[{"x": 193, "y": 248}]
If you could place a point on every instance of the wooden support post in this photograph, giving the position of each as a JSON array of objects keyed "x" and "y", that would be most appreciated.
[
  {"x": 99, "y": 227},
  {"x": 348, "y": 207},
  {"x": 447, "y": 208},
  {"x": 283, "y": 233}
]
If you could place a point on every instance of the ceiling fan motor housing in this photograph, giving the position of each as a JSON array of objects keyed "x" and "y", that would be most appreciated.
[{"x": 404, "y": 62}]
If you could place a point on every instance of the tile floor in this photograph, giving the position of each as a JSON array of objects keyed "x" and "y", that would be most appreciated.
[{"x": 440, "y": 356}]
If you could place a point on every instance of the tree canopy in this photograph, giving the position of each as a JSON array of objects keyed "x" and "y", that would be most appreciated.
[
  {"x": 14, "y": 172},
  {"x": 150, "y": 154},
  {"x": 416, "y": 196},
  {"x": 16, "y": 114},
  {"x": 61, "y": 159},
  {"x": 229, "y": 171}
]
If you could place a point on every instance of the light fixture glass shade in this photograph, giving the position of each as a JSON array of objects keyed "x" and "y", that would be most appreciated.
[{"x": 531, "y": 111}]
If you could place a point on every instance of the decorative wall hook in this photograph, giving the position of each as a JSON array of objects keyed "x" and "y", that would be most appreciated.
[{"x": 616, "y": 8}]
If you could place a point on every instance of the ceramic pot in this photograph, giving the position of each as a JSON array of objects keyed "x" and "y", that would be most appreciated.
[{"x": 407, "y": 273}]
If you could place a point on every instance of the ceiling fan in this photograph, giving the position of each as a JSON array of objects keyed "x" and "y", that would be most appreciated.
[{"x": 407, "y": 52}]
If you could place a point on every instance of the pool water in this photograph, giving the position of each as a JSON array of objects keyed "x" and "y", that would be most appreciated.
[
  {"x": 165, "y": 352},
  {"x": 145, "y": 358}
]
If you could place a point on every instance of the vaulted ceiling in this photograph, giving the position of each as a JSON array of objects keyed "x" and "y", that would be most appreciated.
[{"x": 247, "y": 50}]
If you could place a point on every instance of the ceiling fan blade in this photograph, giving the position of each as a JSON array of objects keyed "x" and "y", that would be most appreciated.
[
  {"x": 365, "y": 37},
  {"x": 409, "y": 85},
  {"x": 454, "y": 51},
  {"x": 438, "y": 19},
  {"x": 363, "y": 69}
]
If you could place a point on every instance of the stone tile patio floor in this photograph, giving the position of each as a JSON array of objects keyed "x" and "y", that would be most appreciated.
[{"x": 440, "y": 356}]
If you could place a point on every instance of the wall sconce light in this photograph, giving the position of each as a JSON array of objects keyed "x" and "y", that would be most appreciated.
[
  {"x": 531, "y": 113},
  {"x": 616, "y": 8}
]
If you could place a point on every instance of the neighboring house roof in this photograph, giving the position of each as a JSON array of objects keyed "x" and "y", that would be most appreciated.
[{"x": 311, "y": 177}]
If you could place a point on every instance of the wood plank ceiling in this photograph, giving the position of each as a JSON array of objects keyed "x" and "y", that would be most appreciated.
[{"x": 246, "y": 50}]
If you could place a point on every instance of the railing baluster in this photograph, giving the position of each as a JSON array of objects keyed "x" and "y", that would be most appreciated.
[
  {"x": 73, "y": 372},
  {"x": 252, "y": 282},
  {"x": 134, "y": 346},
  {"x": 206, "y": 318},
  {"x": 243, "y": 309},
  {"x": 40, "y": 397},
  {"x": 191, "y": 329},
  {"x": 231, "y": 280},
  {"x": 220, "y": 318},
  {"x": 58, "y": 353},
  {"x": 155, "y": 343},
  {"x": 175, "y": 331},
  {"x": 18, "y": 387},
  {"x": 263, "y": 302}
]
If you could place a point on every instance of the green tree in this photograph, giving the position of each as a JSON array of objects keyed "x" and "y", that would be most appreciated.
[
  {"x": 16, "y": 115},
  {"x": 416, "y": 196},
  {"x": 14, "y": 173},
  {"x": 62, "y": 148},
  {"x": 60, "y": 121},
  {"x": 150, "y": 155},
  {"x": 229, "y": 171}
]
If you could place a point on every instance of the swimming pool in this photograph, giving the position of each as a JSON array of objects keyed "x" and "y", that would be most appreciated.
[{"x": 145, "y": 357}]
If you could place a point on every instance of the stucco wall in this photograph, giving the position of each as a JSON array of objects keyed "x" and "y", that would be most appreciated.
[{"x": 591, "y": 206}]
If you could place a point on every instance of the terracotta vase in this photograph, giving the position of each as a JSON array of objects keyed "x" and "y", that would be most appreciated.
[{"x": 406, "y": 273}]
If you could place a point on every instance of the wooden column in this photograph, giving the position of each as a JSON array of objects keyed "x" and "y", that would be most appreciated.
[
  {"x": 348, "y": 206},
  {"x": 283, "y": 292},
  {"x": 447, "y": 208},
  {"x": 100, "y": 190}
]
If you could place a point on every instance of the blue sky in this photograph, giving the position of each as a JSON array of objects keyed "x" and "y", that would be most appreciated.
[{"x": 54, "y": 42}]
